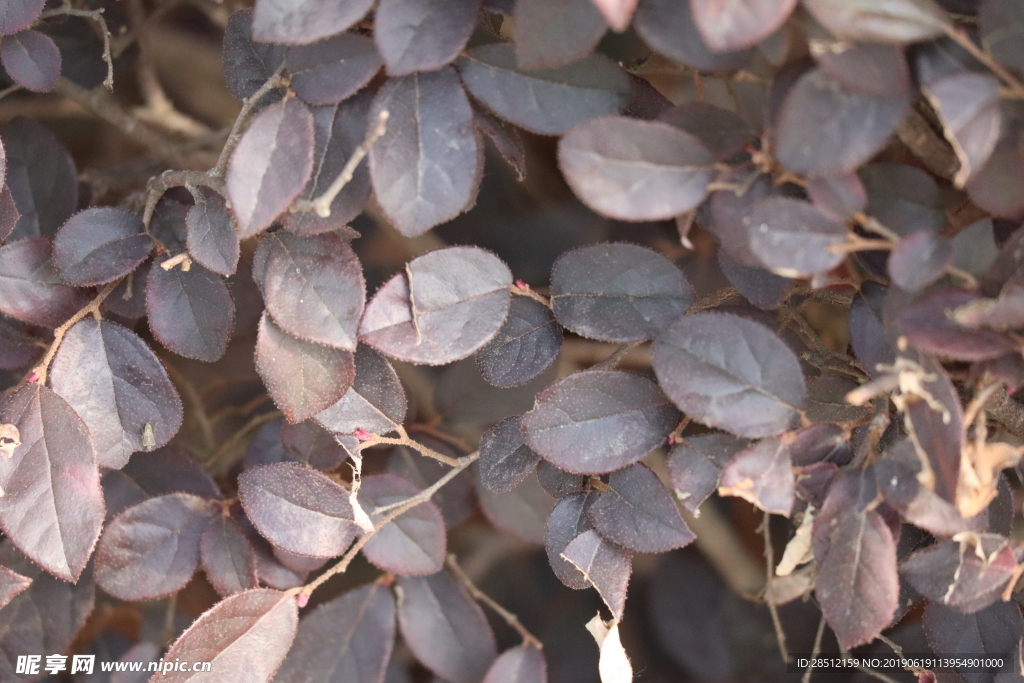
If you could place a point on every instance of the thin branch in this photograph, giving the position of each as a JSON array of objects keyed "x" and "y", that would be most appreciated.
[
  {"x": 276, "y": 80},
  {"x": 522, "y": 289},
  {"x": 404, "y": 440},
  {"x": 423, "y": 496},
  {"x": 612, "y": 361},
  {"x": 40, "y": 371},
  {"x": 713, "y": 300},
  {"x": 97, "y": 16},
  {"x": 168, "y": 179},
  {"x": 963, "y": 40},
  {"x": 10, "y": 90},
  {"x": 769, "y": 558},
  {"x": 321, "y": 206},
  {"x": 873, "y": 225},
  {"x": 815, "y": 652},
  {"x": 481, "y": 597}
]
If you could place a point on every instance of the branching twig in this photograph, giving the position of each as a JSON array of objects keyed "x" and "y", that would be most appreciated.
[
  {"x": 481, "y": 597},
  {"x": 40, "y": 371},
  {"x": 815, "y": 652},
  {"x": 168, "y": 179},
  {"x": 321, "y": 206},
  {"x": 404, "y": 440},
  {"x": 97, "y": 16},
  {"x": 423, "y": 496},
  {"x": 248, "y": 105}
]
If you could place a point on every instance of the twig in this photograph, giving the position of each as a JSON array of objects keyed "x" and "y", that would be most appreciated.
[
  {"x": 97, "y": 16},
  {"x": 769, "y": 558},
  {"x": 248, "y": 105},
  {"x": 481, "y": 597},
  {"x": 41, "y": 370},
  {"x": 713, "y": 300},
  {"x": 815, "y": 652},
  {"x": 963, "y": 40},
  {"x": 321, "y": 206},
  {"x": 9, "y": 90},
  {"x": 423, "y": 496},
  {"x": 168, "y": 179},
  {"x": 612, "y": 361},
  {"x": 522, "y": 289},
  {"x": 404, "y": 440},
  {"x": 872, "y": 224}
]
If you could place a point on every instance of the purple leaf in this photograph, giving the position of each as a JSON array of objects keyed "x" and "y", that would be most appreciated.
[
  {"x": 271, "y": 165},
  {"x": 919, "y": 259},
  {"x": 722, "y": 131},
  {"x": 303, "y": 377},
  {"x": 872, "y": 69},
  {"x": 738, "y": 24},
  {"x": 444, "y": 628},
  {"x": 170, "y": 470},
  {"x": 617, "y": 292},
  {"x": 763, "y": 475},
  {"x": 313, "y": 287},
  {"x": 16, "y": 15},
  {"x": 525, "y": 346},
  {"x": 996, "y": 186},
  {"x": 884, "y": 21},
  {"x": 550, "y": 33},
  {"x": 926, "y": 324},
  {"x": 212, "y": 240},
  {"x": 247, "y": 64},
  {"x": 99, "y": 245},
  {"x": 967, "y": 576},
  {"x": 605, "y": 565},
  {"x": 635, "y": 170},
  {"x": 11, "y": 585},
  {"x": 286, "y": 21},
  {"x": 545, "y": 101},
  {"x": 298, "y": 509},
  {"x": 759, "y": 286},
  {"x": 838, "y": 196},
  {"x": 1001, "y": 22},
  {"x": 30, "y": 288},
  {"x": 968, "y": 104},
  {"x": 41, "y": 175},
  {"x": 190, "y": 311},
  {"x": 558, "y": 483},
  {"x": 426, "y": 167},
  {"x": 567, "y": 520},
  {"x": 32, "y": 59},
  {"x": 506, "y": 139},
  {"x": 415, "y": 542},
  {"x": 521, "y": 511},
  {"x": 346, "y": 640},
  {"x": 228, "y": 559},
  {"x": 52, "y": 507},
  {"x": 456, "y": 499},
  {"x": 375, "y": 402},
  {"x": 695, "y": 466},
  {"x": 868, "y": 336},
  {"x": 248, "y": 634},
  {"x": 119, "y": 387},
  {"x": 505, "y": 460},
  {"x": 522, "y": 664},
  {"x": 152, "y": 549},
  {"x": 903, "y": 198},
  {"x": 310, "y": 444},
  {"x": 331, "y": 70},
  {"x": 9, "y": 214},
  {"x": 446, "y": 305},
  {"x": 639, "y": 513},
  {"x": 730, "y": 373},
  {"x": 669, "y": 27},
  {"x": 793, "y": 239},
  {"x": 618, "y": 13},
  {"x": 269, "y": 569},
  {"x": 995, "y": 629},
  {"x": 598, "y": 421},
  {"x": 422, "y": 35}
]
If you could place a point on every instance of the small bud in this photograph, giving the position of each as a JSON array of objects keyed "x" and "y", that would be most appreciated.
[
  {"x": 362, "y": 434},
  {"x": 522, "y": 284},
  {"x": 302, "y": 599}
]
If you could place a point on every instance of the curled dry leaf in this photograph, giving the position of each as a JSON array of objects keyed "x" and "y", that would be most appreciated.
[
  {"x": 613, "y": 664},
  {"x": 763, "y": 475}
]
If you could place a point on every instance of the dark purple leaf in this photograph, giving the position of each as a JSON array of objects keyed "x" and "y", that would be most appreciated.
[
  {"x": 269, "y": 569},
  {"x": 504, "y": 459},
  {"x": 228, "y": 559},
  {"x": 303, "y": 377},
  {"x": 41, "y": 176},
  {"x": 872, "y": 69},
  {"x": 346, "y": 640},
  {"x": 456, "y": 499},
  {"x": 968, "y": 104},
  {"x": 271, "y": 165},
  {"x": 152, "y": 549},
  {"x": 568, "y": 520},
  {"x": 169, "y": 224},
  {"x": 99, "y": 245},
  {"x": 550, "y": 33},
  {"x": 598, "y": 421},
  {"x": 119, "y": 387},
  {"x": 375, "y": 402},
  {"x": 605, "y": 565},
  {"x": 838, "y": 196},
  {"x": 298, "y": 509},
  {"x": 544, "y": 101},
  {"x": 731, "y": 211},
  {"x": 338, "y": 131},
  {"x": 422, "y": 35},
  {"x": 11, "y": 584},
  {"x": 248, "y": 634},
  {"x": 823, "y": 128},
  {"x": 190, "y": 311},
  {"x": 730, "y": 373},
  {"x": 928, "y": 324},
  {"x": 313, "y": 287},
  {"x": 937, "y": 424},
  {"x": 446, "y": 305},
  {"x": 415, "y": 542},
  {"x": 857, "y": 584},
  {"x": 331, "y": 70},
  {"x": 763, "y": 475},
  {"x": 285, "y": 21},
  {"x": 1002, "y": 26},
  {"x": 9, "y": 214},
  {"x": 794, "y": 239},
  {"x": 618, "y": 13},
  {"x": 18, "y": 347},
  {"x": 30, "y": 288},
  {"x": 967, "y": 575},
  {"x": 522, "y": 664},
  {"x": 525, "y": 346},
  {"x": 868, "y": 336},
  {"x": 556, "y": 482},
  {"x": 996, "y": 187},
  {"x": 761, "y": 287},
  {"x": 32, "y": 59},
  {"x": 919, "y": 260},
  {"x": 17, "y": 15},
  {"x": 426, "y": 167},
  {"x": 52, "y": 507},
  {"x": 617, "y": 292},
  {"x": 521, "y": 511},
  {"x": 903, "y": 198},
  {"x": 170, "y": 470},
  {"x": 639, "y": 513},
  {"x": 247, "y": 64},
  {"x": 444, "y": 628},
  {"x": 635, "y": 170},
  {"x": 884, "y": 21},
  {"x": 995, "y": 631},
  {"x": 737, "y": 24},
  {"x": 722, "y": 131},
  {"x": 695, "y": 465},
  {"x": 212, "y": 240},
  {"x": 506, "y": 139},
  {"x": 311, "y": 444},
  {"x": 1004, "y": 312},
  {"x": 669, "y": 27}
]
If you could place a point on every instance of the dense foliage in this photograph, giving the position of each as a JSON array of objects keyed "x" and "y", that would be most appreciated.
[{"x": 656, "y": 286}]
